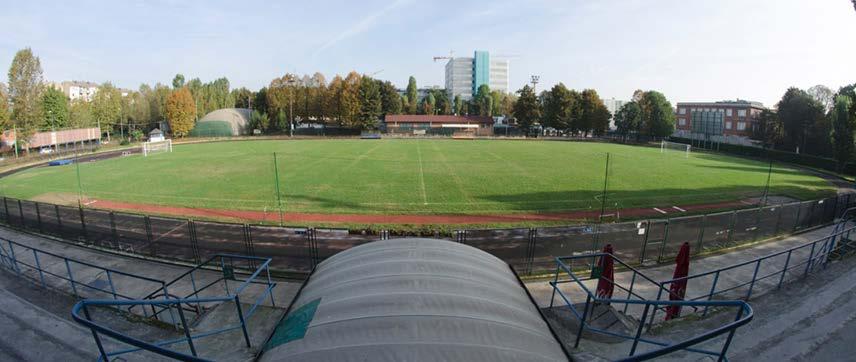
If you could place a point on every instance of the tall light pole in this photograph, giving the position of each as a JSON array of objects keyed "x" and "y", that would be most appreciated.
[
  {"x": 291, "y": 82},
  {"x": 534, "y": 79}
]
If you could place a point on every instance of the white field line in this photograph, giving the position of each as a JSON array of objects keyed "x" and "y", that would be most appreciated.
[
  {"x": 660, "y": 211},
  {"x": 421, "y": 174},
  {"x": 679, "y": 209},
  {"x": 168, "y": 232}
]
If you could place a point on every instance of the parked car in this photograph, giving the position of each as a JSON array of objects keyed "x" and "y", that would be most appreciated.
[{"x": 46, "y": 150}]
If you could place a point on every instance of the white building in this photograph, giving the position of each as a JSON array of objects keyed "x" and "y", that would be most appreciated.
[
  {"x": 77, "y": 89},
  {"x": 464, "y": 75},
  {"x": 613, "y": 105}
]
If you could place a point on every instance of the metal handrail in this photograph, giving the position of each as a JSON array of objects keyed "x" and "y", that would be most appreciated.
[
  {"x": 176, "y": 303},
  {"x": 744, "y": 315}
]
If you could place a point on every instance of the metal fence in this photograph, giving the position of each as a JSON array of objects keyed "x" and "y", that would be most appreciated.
[{"x": 530, "y": 250}]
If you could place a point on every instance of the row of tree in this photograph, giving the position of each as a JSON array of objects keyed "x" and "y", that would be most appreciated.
[
  {"x": 815, "y": 121},
  {"x": 580, "y": 113}
]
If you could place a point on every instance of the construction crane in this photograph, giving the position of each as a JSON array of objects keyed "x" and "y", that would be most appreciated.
[{"x": 451, "y": 56}]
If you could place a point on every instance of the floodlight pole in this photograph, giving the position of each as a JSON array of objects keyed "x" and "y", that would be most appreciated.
[{"x": 278, "y": 196}]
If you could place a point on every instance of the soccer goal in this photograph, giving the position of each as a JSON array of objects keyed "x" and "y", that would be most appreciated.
[
  {"x": 675, "y": 146},
  {"x": 157, "y": 147}
]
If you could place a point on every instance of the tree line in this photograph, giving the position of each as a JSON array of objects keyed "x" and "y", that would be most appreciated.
[{"x": 815, "y": 121}]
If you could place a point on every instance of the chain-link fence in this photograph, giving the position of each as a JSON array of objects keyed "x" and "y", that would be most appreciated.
[{"x": 529, "y": 250}]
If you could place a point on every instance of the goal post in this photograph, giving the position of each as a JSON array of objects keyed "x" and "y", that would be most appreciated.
[
  {"x": 156, "y": 147},
  {"x": 675, "y": 146}
]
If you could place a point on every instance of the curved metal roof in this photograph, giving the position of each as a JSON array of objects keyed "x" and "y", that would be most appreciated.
[
  {"x": 237, "y": 118},
  {"x": 414, "y": 300}
]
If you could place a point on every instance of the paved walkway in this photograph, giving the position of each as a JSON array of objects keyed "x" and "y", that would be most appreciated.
[{"x": 542, "y": 291}]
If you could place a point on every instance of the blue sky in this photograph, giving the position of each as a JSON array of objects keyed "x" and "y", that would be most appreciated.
[{"x": 690, "y": 50}]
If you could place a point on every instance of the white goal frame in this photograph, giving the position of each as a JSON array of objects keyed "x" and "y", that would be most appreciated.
[
  {"x": 159, "y": 146},
  {"x": 681, "y": 147}
]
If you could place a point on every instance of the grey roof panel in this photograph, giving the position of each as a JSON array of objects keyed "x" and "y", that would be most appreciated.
[{"x": 418, "y": 300}]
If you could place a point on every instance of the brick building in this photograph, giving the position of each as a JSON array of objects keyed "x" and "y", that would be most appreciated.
[{"x": 724, "y": 121}]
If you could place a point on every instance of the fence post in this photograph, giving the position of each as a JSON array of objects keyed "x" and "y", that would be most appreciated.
[
  {"x": 731, "y": 227},
  {"x": 785, "y": 269},
  {"x": 39, "y": 268},
  {"x": 757, "y": 224},
  {"x": 243, "y": 323},
  {"x": 754, "y": 276},
  {"x": 583, "y": 321},
  {"x": 39, "y": 217},
  {"x": 83, "y": 225},
  {"x": 14, "y": 258},
  {"x": 21, "y": 213},
  {"x": 665, "y": 241},
  {"x": 712, "y": 291},
  {"x": 147, "y": 223},
  {"x": 113, "y": 230},
  {"x": 701, "y": 234},
  {"x": 645, "y": 241},
  {"x": 811, "y": 213},
  {"x": 797, "y": 220},
  {"x": 809, "y": 262},
  {"x": 194, "y": 246},
  {"x": 6, "y": 206},
  {"x": 779, "y": 219}
]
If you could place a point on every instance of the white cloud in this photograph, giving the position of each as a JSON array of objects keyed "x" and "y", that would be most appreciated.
[{"x": 364, "y": 24}]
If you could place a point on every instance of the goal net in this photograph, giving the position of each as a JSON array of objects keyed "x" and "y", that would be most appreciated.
[
  {"x": 157, "y": 147},
  {"x": 675, "y": 146}
]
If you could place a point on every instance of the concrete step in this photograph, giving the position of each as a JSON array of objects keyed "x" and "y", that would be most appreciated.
[{"x": 231, "y": 346}]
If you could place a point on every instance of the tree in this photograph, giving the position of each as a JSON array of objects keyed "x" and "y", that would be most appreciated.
[
  {"x": 628, "y": 118},
  {"x": 843, "y": 126},
  {"x": 798, "y": 113},
  {"x": 25, "y": 93},
  {"x": 559, "y": 104},
  {"x": 80, "y": 114},
  {"x": 371, "y": 104},
  {"x": 390, "y": 100},
  {"x": 4, "y": 108},
  {"x": 591, "y": 113},
  {"x": 55, "y": 108},
  {"x": 658, "y": 118},
  {"x": 823, "y": 95},
  {"x": 180, "y": 112},
  {"x": 178, "y": 81},
  {"x": 243, "y": 97},
  {"x": 280, "y": 121},
  {"x": 350, "y": 100},
  {"x": 259, "y": 121},
  {"x": 107, "y": 107},
  {"x": 769, "y": 130},
  {"x": 482, "y": 102},
  {"x": 412, "y": 94},
  {"x": 459, "y": 106},
  {"x": 527, "y": 109}
]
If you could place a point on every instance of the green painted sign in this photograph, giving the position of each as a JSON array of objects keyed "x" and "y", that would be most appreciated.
[{"x": 294, "y": 326}]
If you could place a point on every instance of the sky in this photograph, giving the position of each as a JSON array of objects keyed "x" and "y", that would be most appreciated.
[{"x": 689, "y": 50}]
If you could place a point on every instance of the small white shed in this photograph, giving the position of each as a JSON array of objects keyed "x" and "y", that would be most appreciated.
[{"x": 156, "y": 135}]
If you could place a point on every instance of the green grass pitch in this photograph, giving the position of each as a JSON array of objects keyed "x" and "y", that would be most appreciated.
[{"x": 415, "y": 177}]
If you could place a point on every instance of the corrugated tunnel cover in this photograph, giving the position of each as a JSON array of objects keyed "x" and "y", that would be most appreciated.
[{"x": 413, "y": 300}]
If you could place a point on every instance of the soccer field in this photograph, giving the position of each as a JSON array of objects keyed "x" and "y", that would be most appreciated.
[{"x": 414, "y": 177}]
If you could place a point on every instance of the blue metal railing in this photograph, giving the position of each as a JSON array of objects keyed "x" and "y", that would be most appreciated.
[
  {"x": 818, "y": 254},
  {"x": 743, "y": 316},
  {"x": 170, "y": 302},
  {"x": 21, "y": 258}
]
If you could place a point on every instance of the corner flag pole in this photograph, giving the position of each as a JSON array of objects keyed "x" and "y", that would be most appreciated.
[{"x": 278, "y": 195}]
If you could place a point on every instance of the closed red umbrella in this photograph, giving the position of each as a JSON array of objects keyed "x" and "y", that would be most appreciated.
[
  {"x": 679, "y": 288},
  {"x": 605, "y": 284}
]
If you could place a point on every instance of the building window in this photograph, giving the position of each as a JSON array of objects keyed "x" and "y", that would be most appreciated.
[
  {"x": 682, "y": 110},
  {"x": 682, "y": 121},
  {"x": 741, "y": 113},
  {"x": 692, "y": 109},
  {"x": 728, "y": 112},
  {"x": 741, "y": 126},
  {"x": 727, "y": 125}
]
